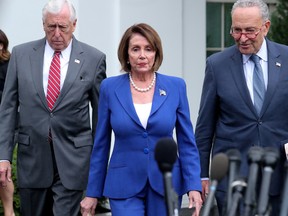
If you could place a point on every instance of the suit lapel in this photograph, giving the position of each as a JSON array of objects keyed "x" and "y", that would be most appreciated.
[
  {"x": 160, "y": 94},
  {"x": 36, "y": 60},
  {"x": 274, "y": 66},
  {"x": 123, "y": 94},
  {"x": 75, "y": 62},
  {"x": 236, "y": 66}
]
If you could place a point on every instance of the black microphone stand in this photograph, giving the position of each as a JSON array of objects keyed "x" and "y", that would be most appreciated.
[
  {"x": 166, "y": 155},
  {"x": 171, "y": 196},
  {"x": 238, "y": 188},
  {"x": 219, "y": 167},
  {"x": 234, "y": 165},
  {"x": 284, "y": 204},
  {"x": 270, "y": 158},
  {"x": 255, "y": 154}
]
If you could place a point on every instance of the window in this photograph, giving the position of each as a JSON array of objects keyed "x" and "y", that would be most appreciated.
[{"x": 218, "y": 23}]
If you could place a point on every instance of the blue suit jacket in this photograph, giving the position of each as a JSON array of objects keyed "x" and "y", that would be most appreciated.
[
  {"x": 132, "y": 162},
  {"x": 227, "y": 118}
]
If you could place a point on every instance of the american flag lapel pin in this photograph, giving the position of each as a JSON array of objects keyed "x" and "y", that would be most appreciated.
[
  {"x": 77, "y": 61},
  {"x": 278, "y": 64},
  {"x": 162, "y": 92}
]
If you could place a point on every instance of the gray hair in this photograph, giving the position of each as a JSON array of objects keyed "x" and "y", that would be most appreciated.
[
  {"x": 253, "y": 3},
  {"x": 55, "y": 6}
]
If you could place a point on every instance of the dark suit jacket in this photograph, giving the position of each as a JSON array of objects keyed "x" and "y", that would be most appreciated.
[
  {"x": 69, "y": 120},
  {"x": 227, "y": 118},
  {"x": 132, "y": 162}
]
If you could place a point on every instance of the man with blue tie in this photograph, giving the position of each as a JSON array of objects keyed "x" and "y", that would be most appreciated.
[{"x": 244, "y": 100}]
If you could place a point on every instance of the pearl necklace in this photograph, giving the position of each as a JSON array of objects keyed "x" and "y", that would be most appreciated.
[{"x": 142, "y": 89}]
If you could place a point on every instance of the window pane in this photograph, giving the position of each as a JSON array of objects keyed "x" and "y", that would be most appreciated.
[
  {"x": 208, "y": 53},
  {"x": 213, "y": 24},
  {"x": 227, "y": 24}
]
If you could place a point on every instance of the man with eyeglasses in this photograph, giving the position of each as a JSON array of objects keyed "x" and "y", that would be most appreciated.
[
  {"x": 235, "y": 113},
  {"x": 52, "y": 81}
]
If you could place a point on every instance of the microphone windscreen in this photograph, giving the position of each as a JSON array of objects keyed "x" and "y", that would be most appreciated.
[
  {"x": 166, "y": 154},
  {"x": 219, "y": 166},
  {"x": 255, "y": 154},
  {"x": 271, "y": 156},
  {"x": 234, "y": 155}
]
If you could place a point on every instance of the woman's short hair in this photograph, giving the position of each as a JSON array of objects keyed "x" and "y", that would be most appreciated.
[{"x": 151, "y": 36}]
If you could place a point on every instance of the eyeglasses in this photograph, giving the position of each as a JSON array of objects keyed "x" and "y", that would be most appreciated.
[
  {"x": 250, "y": 33},
  {"x": 62, "y": 28}
]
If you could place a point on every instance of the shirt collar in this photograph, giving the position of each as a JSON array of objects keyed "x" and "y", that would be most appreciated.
[
  {"x": 64, "y": 53},
  {"x": 262, "y": 53}
]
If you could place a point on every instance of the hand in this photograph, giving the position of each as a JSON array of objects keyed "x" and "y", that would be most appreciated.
[
  {"x": 205, "y": 189},
  {"x": 5, "y": 173},
  {"x": 195, "y": 201},
  {"x": 88, "y": 206}
]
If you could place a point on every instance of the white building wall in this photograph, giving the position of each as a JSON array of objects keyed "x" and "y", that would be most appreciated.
[{"x": 101, "y": 23}]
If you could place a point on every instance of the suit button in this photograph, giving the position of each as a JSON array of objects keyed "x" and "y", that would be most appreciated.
[
  {"x": 51, "y": 115},
  {"x": 260, "y": 122},
  {"x": 146, "y": 150},
  {"x": 145, "y": 134}
]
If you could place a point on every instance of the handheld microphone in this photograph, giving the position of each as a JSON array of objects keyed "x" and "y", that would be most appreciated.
[
  {"x": 234, "y": 157},
  {"x": 219, "y": 167},
  {"x": 269, "y": 161},
  {"x": 255, "y": 154},
  {"x": 238, "y": 187},
  {"x": 165, "y": 155},
  {"x": 284, "y": 204}
]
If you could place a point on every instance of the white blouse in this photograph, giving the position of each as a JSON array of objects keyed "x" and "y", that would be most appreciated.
[{"x": 143, "y": 112}]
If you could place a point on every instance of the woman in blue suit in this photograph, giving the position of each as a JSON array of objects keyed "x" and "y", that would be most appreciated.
[{"x": 141, "y": 107}]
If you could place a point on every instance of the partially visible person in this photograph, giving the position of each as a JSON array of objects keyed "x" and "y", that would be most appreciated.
[
  {"x": 6, "y": 192},
  {"x": 141, "y": 107},
  {"x": 55, "y": 137},
  {"x": 4, "y": 59},
  {"x": 233, "y": 112},
  {"x": 6, "y": 195}
]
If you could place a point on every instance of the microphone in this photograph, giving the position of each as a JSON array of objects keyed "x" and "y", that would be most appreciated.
[
  {"x": 219, "y": 167},
  {"x": 255, "y": 154},
  {"x": 234, "y": 157},
  {"x": 166, "y": 155},
  {"x": 269, "y": 161},
  {"x": 284, "y": 204},
  {"x": 238, "y": 188}
]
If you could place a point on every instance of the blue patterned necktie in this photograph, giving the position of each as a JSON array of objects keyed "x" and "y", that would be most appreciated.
[{"x": 258, "y": 84}]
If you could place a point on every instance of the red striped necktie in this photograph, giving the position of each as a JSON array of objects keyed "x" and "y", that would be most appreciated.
[{"x": 53, "y": 88}]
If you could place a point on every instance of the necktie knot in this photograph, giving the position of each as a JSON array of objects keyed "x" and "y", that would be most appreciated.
[
  {"x": 255, "y": 59},
  {"x": 57, "y": 53}
]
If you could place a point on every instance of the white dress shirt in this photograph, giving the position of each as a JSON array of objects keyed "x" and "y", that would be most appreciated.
[
  {"x": 64, "y": 62},
  {"x": 249, "y": 65}
]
